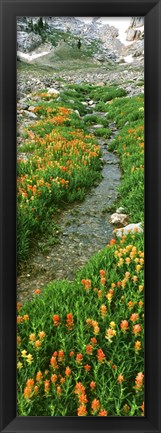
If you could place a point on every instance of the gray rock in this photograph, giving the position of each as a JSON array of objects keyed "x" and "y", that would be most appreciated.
[
  {"x": 97, "y": 126},
  {"x": 31, "y": 115},
  {"x": 130, "y": 228},
  {"x": 22, "y": 106},
  {"x": 53, "y": 91},
  {"x": 27, "y": 42},
  {"x": 119, "y": 219},
  {"x": 133, "y": 34},
  {"x": 31, "y": 108}
]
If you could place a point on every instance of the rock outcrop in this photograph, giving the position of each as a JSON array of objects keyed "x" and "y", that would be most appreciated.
[
  {"x": 27, "y": 42},
  {"x": 100, "y": 37}
]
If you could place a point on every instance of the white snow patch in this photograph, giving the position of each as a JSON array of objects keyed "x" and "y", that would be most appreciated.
[{"x": 31, "y": 57}]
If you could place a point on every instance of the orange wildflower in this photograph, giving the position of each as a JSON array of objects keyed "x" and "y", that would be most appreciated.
[
  {"x": 87, "y": 367},
  {"x": 25, "y": 317},
  {"x": 103, "y": 412},
  {"x": 42, "y": 335},
  {"x": 79, "y": 388},
  {"x": 86, "y": 283},
  {"x": 136, "y": 329},
  {"x": 101, "y": 355},
  {"x": 37, "y": 343},
  {"x": 142, "y": 407},
  {"x": 134, "y": 317},
  {"x": 89, "y": 349},
  {"x": 47, "y": 385},
  {"x": 103, "y": 281},
  {"x": 93, "y": 341},
  {"x": 53, "y": 378},
  {"x": 59, "y": 390},
  {"x": 30, "y": 383},
  {"x": 83, "y": 398},
  {"x": 56, "y": 319},
  {"x": 53, "y": 362},
  {"x": 89, "y": 321},
  {"x": 109, "y": 297},
  {"x": 27, "y": 392},
  {"x": 92, "y": 385},
  {"x": 95, "y": 405},
  {"x": 102, "y": 273},
  {"x": 62, "y": 379},
  {"x": 103, "y": 311},
  {"x": 82, "y": 411},
  {"x": 37, "y": 291},
  {"x": 36, "y": 388},
  {"x": 112, "y": 241},
  {"x": 110, "y": 333},
  {"x": 120, "y": 378},
  {"x": 79, "y": 358},
  {"x": 19, "y": 305},
  {"x": 61, "y": 355},
  {"x": 39, "y": 376},
  {"x": 71, "y": 353},
  {"x": 99, "y": 293},
  {"x": 70, "y": 322},
  {"x": 137, "y": 346},
  {"x": 114, "y": 367},
  {"x": 139, "y": 381},
  {"x": 130, "y": 304},
  {"x": 68, "y": 371},
  {"x": 140, "y": 303},
  {"x": 32, "y": 337},
  {"x": 124, "y": 325},
  {"x": 19, "y": 319}
]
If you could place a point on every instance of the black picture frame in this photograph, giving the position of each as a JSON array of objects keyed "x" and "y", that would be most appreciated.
[{"x": 151, "y": 10}]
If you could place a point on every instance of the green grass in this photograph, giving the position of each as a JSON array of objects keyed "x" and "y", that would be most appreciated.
[
  {"x": 129, "y": 144},
  {"x": 104, "y": 302},
  {"x": 81, "y": 343}
]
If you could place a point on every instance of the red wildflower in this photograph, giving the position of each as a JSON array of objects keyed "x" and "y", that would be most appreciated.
[
  {"x": 56, "y": 319},
  {"x": 79, "y": 358},
  {"x": 100, "y": 355},
  {"x": 95, "y": 405},
  {"x": 70, "y": 322}
]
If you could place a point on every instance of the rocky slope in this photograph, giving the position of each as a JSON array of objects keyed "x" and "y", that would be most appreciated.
[{"x": 98, "y": 37}]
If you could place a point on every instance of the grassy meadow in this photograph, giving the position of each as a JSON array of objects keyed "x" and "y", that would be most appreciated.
[{"x": 80, "y": 344}]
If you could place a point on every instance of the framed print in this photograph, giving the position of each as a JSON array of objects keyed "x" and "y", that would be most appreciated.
[{"x": 80, "y": 96}]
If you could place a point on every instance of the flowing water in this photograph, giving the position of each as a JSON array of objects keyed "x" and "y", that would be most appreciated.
[{"x": 84, "y": 228}]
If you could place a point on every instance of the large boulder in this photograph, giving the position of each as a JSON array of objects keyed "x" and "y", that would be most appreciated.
[
  {"x": 119, "y": 219},
  {"x": 130, "y": 228},
  {"x": 133, "y": 34}
]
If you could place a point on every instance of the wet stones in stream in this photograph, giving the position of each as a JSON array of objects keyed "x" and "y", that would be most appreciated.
[{"x": 84, "y": 228}]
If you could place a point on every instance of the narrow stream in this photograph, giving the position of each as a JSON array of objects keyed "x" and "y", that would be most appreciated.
[{"x": 84, "y": 228}]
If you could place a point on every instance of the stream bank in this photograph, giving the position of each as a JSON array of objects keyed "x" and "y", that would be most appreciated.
[{"x": 84, "y": 229}]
